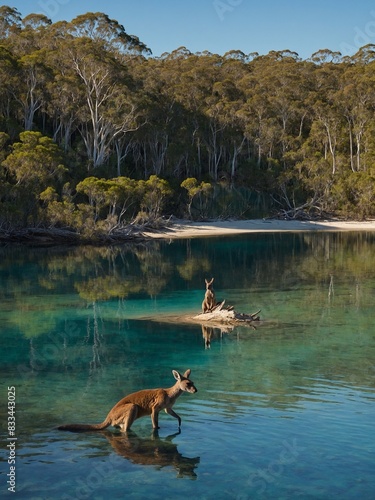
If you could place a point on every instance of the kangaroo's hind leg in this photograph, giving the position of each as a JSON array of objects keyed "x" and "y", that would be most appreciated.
[{"x": 126, "y": 416}]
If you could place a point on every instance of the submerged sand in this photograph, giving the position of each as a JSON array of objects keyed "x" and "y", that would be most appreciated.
[{"x": 187, "y": 229}]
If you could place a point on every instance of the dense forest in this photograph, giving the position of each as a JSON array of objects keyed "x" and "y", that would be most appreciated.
[{"x": 97, "y": 134}]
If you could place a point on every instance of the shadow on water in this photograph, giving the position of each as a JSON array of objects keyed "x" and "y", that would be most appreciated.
[{"x": 153, "y": 451}]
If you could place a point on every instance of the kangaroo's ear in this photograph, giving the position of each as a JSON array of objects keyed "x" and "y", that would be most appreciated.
[
  {"x": 206, "y": 281},
  {"x": 187, "y": 373},
  {"x": 176, "y": 375}
]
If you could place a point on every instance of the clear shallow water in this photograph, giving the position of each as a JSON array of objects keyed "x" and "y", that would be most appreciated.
[{"x": 283, "y": 411}]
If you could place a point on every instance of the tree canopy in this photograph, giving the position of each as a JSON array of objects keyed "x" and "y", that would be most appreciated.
[{"x": 91, "y": 123}]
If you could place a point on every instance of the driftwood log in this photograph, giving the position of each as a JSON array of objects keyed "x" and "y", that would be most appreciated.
[{"x": 221, "y": 314}]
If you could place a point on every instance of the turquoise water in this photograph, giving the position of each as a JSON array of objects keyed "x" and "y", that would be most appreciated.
[{"x": 283, "y": 411}]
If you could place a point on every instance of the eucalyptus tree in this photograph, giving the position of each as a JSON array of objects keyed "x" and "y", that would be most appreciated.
[
  {"x": 190, "y": 80},
  {"x": 99, "y": 27},
  {"x": 23, "y": 35},
  {"x": 32, "y": 91},
  {"x": 96, "y": 89},
  {"x": 314, "y": 152},
  {"x": 160, "y": 144},
  {"x": 312, "y": 174},
  {"x": 364, "y": 55},
  {"x": 324, "y": 56},
  {"x": 229, "y": 101},
  {"x": 10, "y": 21},
  {"x": 137, "y": 145},
  {"x": 155, "y": 193},
  {"x": 22, "y": 38},
  {"x": 216, "y": 112},
  {"x": 258, "y": 121},
  {"x": 326, "y": 109},
  {"x": 106, "y": 110},
  {"x": 124, "y": 195},
  {"x": 65, "y": 100},
  {"x": 35, "y": 163},
  {"x": 287, "y": 94},
  {"x": 36, "y": 34},
  {"x": 189, "y": 83},
  {"x": 9, "y": 73},
  {"x": 354, "y": 189},
  {"x": 194, "y": 190},
  {"x": 357, "y": 101},
  {"x": 275, "y": 98},
  {"x": 36, "y": 22},
  {"x": 112, "y": 199},
  {"x": 210, "y": 98},
  {"x": 65, "y": 90}
]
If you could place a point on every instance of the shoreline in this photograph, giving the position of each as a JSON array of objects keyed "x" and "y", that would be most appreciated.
[
  {"x": 188, "y": 229},
  {"x": 180, "y": 229}
]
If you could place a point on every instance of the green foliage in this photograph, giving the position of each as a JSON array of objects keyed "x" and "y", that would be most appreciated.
[
  {"x": 154, "y": 194},
  {"x": 194, "y": 189},
  {"x": 112, "y": 199},
  {"x": 236, "y": 135},
  {"x": 35, "y": 163},
  {"x": 355, "y": 195}
]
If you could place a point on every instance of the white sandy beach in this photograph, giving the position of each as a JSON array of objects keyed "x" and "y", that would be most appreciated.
[{"x": 187, "y": 229}]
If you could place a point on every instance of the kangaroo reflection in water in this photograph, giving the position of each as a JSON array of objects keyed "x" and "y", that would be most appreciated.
[
  {"x": 153, "y": 451},
  {"x": 208, "y": 333}
]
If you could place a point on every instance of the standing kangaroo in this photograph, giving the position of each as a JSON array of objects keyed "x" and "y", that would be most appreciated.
[
  {"x": 209, "y": 301},
  {"x": 140, "y": 404}
]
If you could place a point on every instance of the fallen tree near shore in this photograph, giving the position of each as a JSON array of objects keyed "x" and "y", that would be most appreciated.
[{"x": 55, "y": 236}]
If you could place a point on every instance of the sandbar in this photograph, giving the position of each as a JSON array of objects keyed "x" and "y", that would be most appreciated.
[{"x": 188, "y": 229}]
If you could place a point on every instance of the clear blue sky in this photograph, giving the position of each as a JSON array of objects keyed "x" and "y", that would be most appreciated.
[{"x": 222, "y": 25}]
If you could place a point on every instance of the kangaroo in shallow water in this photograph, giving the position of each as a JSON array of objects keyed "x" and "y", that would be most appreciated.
[
  {"x": 209, "y": 301},
  {"x": 140, "y": 404}
]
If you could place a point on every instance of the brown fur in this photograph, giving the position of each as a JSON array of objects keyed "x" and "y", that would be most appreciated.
[
  {"x": 141, "y": 403},
  {"x": 209, "y": 301}
]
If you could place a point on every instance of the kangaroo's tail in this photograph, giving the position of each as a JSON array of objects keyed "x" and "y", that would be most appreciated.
[{"x": 85, "y": 427}]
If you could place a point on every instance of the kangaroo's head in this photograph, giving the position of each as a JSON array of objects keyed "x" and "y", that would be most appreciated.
[
  {"x": 184, "y": 383},
  {"x": 209, "y": 284}
]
